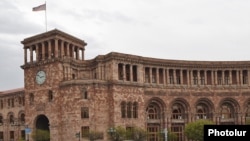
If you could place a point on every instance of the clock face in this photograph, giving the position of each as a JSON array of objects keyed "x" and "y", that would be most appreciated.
[{"x": 40, "y": 77}]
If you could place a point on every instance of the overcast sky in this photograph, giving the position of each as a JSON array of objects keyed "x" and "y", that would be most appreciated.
[{"x": 214, "y": 30}]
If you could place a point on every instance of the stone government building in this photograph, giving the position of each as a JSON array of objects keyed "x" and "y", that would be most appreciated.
[{"x": 66, "y": 94}]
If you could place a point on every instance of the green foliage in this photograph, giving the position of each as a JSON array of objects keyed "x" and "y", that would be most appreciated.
[
  {"x": 172, "y": 136},
  {"x": 138, "y": 134},
  {"x": 135, "y": 134},
  {"x": 195, "y": 130},
  {"x": 40, "y": 135},
  {"x": 21, "y": 139},
  {"x": 94, "y": 135},
  {"x": 248, "y": 121}
]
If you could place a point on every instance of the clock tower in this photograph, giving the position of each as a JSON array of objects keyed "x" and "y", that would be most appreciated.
[{"x": 47, "y": 63}]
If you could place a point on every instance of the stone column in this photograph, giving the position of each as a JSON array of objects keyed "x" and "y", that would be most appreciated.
[
  {"x": 191, "y": 77},
  {"x": 37, "y": 53},
  {"x": 230, "y": 77},
  {"x": 83, "y": 55},
  {"x": 198, "y": 78},
  {"x": 157, "y": 76},
  {"x": 248, "y": 77},
  {"x": 223, "y": 77},
  {"x": 62, "y": 49},
  {"x": 212, "y": 77},
  {"x": 167, "y": 79},
  {"x": 124, "y": 72},
  {"x": 205, "y": 77},
  {"x": 174, "y": 73},
  {"x": 216, "y": 78},
  {"x": 43, "y": 51},
  {"x": 164, "y": 76},
  {"x": 131, "y": 73},
  {"x": 49, "y": 49},
  {"x": 31, "y": 54},
  {"x": 67, "y": 50},
  {"x": 237, "y": 77},
  {"x": 73, "y": 52},
  {"x": 241, "y": 77},
  {"x": 150, "y": 75},
  {"x": 181, "y": 76},
  {"x": 188, "y": 78},
  {"x": 56, "y": 48},
  {"x": 25, "y": 55},
  {"x": 77, "y": 53}
]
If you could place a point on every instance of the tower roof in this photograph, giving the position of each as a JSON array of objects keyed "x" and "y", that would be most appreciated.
[{"x": 55, "y": 33}]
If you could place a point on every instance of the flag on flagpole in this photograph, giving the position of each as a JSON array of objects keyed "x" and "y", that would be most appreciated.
[{"x": 40, "y": 7}]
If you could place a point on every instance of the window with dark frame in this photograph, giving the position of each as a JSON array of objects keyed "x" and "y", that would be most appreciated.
[
  {"x": 50, "y": 95},
  {"x": 31, "y": 97},
  {"x": 84, "y": 112},
  {"x": 85, "y": 131}
]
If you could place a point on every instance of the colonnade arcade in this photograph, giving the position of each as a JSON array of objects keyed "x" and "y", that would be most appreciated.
[
  {"x": 179, "y": 112},
  {"x": 196, "y": 77},
  {"x": 52, "y": 48}
]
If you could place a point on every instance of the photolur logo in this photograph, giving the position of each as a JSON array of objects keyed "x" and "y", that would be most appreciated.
[{"x": 216, "y": 132}]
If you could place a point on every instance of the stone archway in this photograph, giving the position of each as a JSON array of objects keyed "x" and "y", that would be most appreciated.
[
  {"x": 42, "y": 123},
  {"x": 155, "y": 118}
]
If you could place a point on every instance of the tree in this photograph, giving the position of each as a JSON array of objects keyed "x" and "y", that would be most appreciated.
[
  {"x": 93, "y": 135},
  {"x": 195, "y": 130},
  {"x": 40, "y": 135},
  {"x": 119, "y": 134},
  {"x": 138, "y": 134}
]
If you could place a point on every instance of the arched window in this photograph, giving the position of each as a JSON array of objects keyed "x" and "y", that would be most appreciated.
[
  {"x": 129, "y": 110},
  {"x": 153, "y": 111},
  {"x": 11, "y": 119},
  {"x": 201, "y": 112},
  {"x": 50, "y": 96},
  {"x": 123, "y": 109},
  {"x": 226, "y": 112},
  {"x": 31, "y": 97},
  {"x": 177, "y": 112},
  {"x": 22, "y": 118},
  {"x": 1, "y": 120},
  {"x": 135, "y": 110}
]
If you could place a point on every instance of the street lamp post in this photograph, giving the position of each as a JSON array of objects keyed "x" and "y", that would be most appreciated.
[
  {"x": 17, "y": 124},
  {"x": 78, "y": 135},
  {"x": 165, "y": 134},
  {"x": 112, "y": 131}
]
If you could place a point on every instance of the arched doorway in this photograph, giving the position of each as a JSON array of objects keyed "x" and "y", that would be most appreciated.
[
  {"x": 155, "y": 119},
  {"x": 42, "y": 128}
]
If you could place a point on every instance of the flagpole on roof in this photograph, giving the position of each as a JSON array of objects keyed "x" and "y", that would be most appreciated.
[
  {"x": 41, "y": 8},
  {"x": 46, "y": 16}
]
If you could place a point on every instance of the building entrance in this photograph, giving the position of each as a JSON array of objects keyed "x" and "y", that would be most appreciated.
[{"x": 42, "y": 128}]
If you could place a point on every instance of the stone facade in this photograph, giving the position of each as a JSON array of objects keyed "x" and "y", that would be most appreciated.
[{"x": 119, "y": 89}]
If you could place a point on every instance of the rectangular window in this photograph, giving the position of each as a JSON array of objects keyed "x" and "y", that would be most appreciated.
[
  {"x": 12, "y": 102},
  {"x": 245, "y": 78},
  {"x": 85, "y": 131},
  {"x": 127, "y": 68},
  {"x": 195, "y": 79},
  {"x": 161, "y": 76},
  {"x": 1, "y": 104},
  {"x": 85, "y": 112},
  {"x": 12, "y": 135},
  {"x": 202, "y": 80},
  {"x": 147, "y": 75},
  {"x": 154, "y": 75},
  {"x": 23, "y": 134},
  {"x": 1, "y": 135},
  {"x": 120, "y": 71},
  {"x": 135, "y": 73}
]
